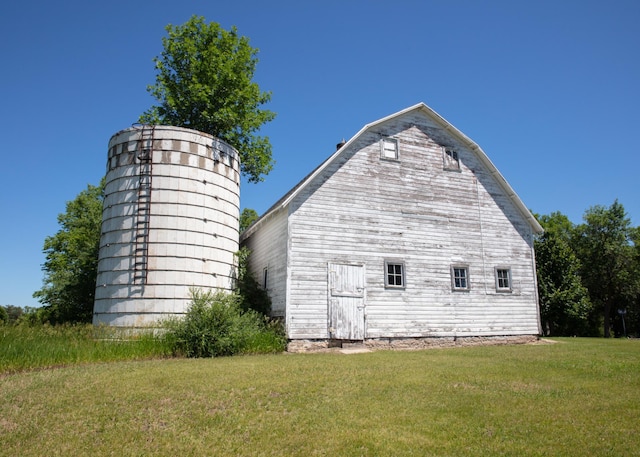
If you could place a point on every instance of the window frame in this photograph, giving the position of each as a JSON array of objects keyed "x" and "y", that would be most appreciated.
[
  {"x": 499, "y": 288},
  {"x": 387, "y": 274},
  {"x": 467, "y": 278},
  {"x": 388, "y": 139},
  {"x": 450, "y": 159},
  {"x": 265, "y": 277}
]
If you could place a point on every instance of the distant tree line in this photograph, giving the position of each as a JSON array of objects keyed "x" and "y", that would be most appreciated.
[
  {"x": 588, "y": 274},
  {"x": 11, "y": 314}
]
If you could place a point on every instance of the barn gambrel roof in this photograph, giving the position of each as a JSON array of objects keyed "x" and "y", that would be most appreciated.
[{"x": 446, "y": 125}]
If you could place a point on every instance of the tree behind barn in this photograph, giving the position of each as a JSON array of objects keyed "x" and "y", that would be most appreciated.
[
  {"x": 608, "y": 261},
  {"x": 633, "y": 317},
  {"x": 204, "y": 82},
  {"x": 247, "y": 217},
  {"x": 564, "y": 302}
]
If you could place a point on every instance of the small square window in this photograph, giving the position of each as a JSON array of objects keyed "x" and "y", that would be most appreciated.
[
  {"x": 451, "y": 160},
  {"x": 460, "y": 277},
  {"x": 503, "y": 279},
  {"x": 394, "y": 274},
  {"x": 389, "y": 148}
]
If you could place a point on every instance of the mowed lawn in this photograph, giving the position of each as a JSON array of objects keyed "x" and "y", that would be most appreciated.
[{"x": 578, "y": 397}]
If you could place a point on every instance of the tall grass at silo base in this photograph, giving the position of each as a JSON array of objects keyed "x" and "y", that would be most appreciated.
[
  {"x": 213, "y": 326},
  {"x": 28, "y": 347}
]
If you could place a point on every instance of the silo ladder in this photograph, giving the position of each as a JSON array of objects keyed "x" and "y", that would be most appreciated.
[{"x": 144, "y": 155}]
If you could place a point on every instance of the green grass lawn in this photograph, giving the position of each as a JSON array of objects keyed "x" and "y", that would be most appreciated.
[{"x": 579, "y": 397}]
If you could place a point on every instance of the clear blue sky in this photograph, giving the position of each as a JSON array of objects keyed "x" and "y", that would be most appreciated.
[{"x": 549, "y": 89}]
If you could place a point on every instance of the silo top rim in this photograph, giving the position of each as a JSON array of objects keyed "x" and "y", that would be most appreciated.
[
  {"x": 158, "y": 127},
  {"x": 168, "y": 132}
]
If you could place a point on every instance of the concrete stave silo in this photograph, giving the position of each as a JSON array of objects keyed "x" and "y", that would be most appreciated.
[{"x": 170, "y": 223}]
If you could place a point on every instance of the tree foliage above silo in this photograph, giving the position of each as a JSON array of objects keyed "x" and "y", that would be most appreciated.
[{"x": 204, "y": 81}]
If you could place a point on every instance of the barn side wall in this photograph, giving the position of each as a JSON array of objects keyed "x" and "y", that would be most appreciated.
[{"x": 268, "y": 248}]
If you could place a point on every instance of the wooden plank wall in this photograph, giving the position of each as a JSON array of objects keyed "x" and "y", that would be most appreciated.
[
  {"x": 269, "y": 250},
  {"x": 365, "y": 209}
]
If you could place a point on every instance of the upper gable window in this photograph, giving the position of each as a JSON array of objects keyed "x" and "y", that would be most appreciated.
[
  {"x": 451, "y": 160},
  {"x": 389, "y": 149}
]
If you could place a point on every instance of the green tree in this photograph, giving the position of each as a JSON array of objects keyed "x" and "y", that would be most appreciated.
[
  {"x": 252, "y": 296},
  {"x": 557, "y": 223},
  {"x": 70, "y": 268},
  {"x": 564, "y": 301},
  {"x": 247, "y": 217},
  {"x": 204, "y": 82},
  {"x": 633, "y": 315},
  {"x": 604, "y": 246},
  {"x": 35, "y": 316}
]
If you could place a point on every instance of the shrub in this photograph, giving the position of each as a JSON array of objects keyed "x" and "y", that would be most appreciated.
[
  {"x": 34, "y": 316},
  {"x": 215, "y": 325}
]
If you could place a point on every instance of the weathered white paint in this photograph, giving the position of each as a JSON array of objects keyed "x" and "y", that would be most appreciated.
[
  {"x": 269, "y": 250},
  {"x": 360, "y": 208},
  {"x": 193, "y": 224}
]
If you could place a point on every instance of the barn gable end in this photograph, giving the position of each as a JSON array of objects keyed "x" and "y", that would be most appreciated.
[{"x": 378, "y": 240}]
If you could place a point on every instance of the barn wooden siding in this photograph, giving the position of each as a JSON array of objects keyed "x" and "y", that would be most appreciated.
[
  {"x": 269, "y": 250},
  {"x": 363, "y": 210}
]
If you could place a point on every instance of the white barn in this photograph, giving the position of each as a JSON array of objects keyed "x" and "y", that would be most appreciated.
[{"x": 407, "y": 231}]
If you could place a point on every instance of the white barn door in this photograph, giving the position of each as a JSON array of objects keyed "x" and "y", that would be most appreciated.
[{"x": 346, "y": 301}]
